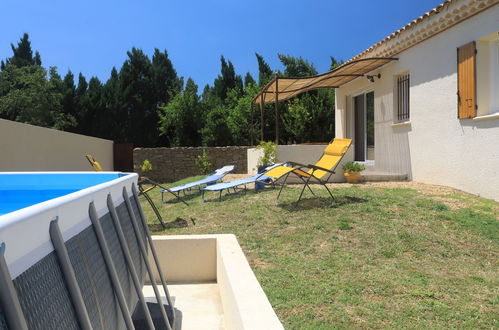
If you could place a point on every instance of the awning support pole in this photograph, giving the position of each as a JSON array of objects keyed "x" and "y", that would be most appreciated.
[
  {"x": 251, "y": 124},
  {"x": 276, "y": 109},
  {"x": 261, "y": 116}
]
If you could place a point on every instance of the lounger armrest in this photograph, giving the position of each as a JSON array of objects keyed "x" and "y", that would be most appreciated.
[
  {"x": 297, "y": 164},
  {"x": 315, "y": 167}
]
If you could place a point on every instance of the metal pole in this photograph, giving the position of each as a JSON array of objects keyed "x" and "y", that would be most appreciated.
[
  {"x": 251, "y": 124},
  {"x": 8, "y": 296},
  {"x": 128, "y": 259},
  {"x": 262, "y": 105},
  {"x": 143, "y": 250},
  {"x": 151, "y": 243},
  {"x": 276, "y": 109},
  {"x": 110, "y": 265},
  {"x": 69, "y": 274},
  {"x": 149, "y": 239}
]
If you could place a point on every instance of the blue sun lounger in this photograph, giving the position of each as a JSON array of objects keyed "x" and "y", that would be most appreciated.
[
  {"x": 235, "y": 184},
  {"x": 209, "y": 180}
]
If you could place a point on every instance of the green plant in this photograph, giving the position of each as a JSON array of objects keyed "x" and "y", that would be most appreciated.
[
  {"x": 344, "y": 224},
  {"x": 203, "y": 163},
  {"x": 353, "y": 167},
  {"x": 269, "y": 156},
  {"x": 146, "y": 166}
]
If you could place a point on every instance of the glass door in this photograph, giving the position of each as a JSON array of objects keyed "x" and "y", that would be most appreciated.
[
  {"x": 364, "y": 126},
  {"x": 370, "y": 125}
]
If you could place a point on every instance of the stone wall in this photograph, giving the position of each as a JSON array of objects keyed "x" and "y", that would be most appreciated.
[{"x": 172, "y": 164}]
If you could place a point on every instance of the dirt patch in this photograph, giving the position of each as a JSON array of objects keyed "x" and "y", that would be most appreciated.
[
  {"x": 230, "y": 177},
  {"x": 256, "y": 262},
  {"x": 452, "y": 203},
  {"x": 423, "y": 188}
]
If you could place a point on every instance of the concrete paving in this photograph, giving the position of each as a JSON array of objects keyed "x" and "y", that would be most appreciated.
[{"x": 199, "y": 303}]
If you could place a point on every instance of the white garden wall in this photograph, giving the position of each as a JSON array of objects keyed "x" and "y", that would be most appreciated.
[{"x": 26, "y": 147}]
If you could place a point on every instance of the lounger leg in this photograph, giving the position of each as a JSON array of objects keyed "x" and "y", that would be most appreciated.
[
  {"x": 220, "y": 198},
  {"x": 306, "y": 185},
  {"x": 154, "y": 208},
  {"x": 282, "y": 186},
  {"x": 180, "y": 198},
  {"x": 329, "y": 191}
]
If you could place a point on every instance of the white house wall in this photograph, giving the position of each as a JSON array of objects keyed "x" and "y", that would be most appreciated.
[{"x": 436, "y": 147}]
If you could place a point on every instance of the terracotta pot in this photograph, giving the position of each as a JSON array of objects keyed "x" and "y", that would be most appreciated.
[{"x": 353, "y": 177}]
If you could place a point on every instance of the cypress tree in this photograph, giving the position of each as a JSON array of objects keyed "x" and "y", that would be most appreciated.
[
  {"x": 248, "y": 80},
  {"x": 23, "y": 54},
  {"x": 265, "y": 73}
]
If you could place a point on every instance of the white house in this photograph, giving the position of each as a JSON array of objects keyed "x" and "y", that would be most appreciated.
[{"x": 432, "y": 113}]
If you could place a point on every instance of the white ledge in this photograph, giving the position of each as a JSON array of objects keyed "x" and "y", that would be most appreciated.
[
  {"x": 492, "y": 116},
  {"x": 401, "y": 124}
]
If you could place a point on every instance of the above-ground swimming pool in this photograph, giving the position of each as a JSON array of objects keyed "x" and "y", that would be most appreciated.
[
  {"x": 20, "y": 190},
  {"x": 73, "y": 252}
]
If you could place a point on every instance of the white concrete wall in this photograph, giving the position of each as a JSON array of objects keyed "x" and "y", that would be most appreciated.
[
  {"x": 186, "y": 259},
  {"x": 208, "y": 258},
  {"x": 253, "y": 156},
  {"x": 31, "y": 148},
  {"x": 299, "y": 153},
  {"x": 436, "y": 147}
]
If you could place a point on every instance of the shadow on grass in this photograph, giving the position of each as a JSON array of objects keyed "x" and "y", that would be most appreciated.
[
  {"x": 214, "y": 196},
  {"x": 177, "y": 223},
  {"x": 320, "y": 202},
  {"x": 170, "y": 199}
]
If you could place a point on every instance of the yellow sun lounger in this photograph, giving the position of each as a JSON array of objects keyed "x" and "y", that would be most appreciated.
[
  {"x": 325, "y": 167},
  {"x": 95, "y": 164}
]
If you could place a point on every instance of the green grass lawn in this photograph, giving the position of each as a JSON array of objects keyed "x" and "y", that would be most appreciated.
[{"x": 376, "y": 257}]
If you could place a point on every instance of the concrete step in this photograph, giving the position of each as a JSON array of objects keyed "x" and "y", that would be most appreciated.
[{"x": 382, "y": 176}]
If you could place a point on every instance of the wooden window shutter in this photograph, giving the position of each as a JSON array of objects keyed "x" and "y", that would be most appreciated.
[{"x": 466, "y": 81}]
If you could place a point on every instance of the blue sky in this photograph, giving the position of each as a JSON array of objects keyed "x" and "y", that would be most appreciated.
[{"x": 93, "y": 36}]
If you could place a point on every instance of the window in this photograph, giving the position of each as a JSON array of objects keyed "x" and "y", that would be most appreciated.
[
  {"x": 483, "y": 58},
  {"x": 402, "y": 96},
  {"x": 494, "y": 75}
]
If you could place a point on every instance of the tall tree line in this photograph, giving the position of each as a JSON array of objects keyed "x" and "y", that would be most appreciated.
[{"x": 146, "y": 103}]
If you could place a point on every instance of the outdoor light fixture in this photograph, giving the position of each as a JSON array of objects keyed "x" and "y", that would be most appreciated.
[{"x": 371, "y": 78}]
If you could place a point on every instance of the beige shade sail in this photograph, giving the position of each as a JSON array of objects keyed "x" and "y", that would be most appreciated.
[{"x": 289, "y": 87}]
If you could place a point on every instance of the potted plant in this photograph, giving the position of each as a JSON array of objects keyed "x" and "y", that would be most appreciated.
[
  {"x": 145, "y": 167},
  {"x": 268, "y": 157},
  {"x": 352, "y": 171}
]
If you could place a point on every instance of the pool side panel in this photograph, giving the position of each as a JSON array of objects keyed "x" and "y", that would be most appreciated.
[
  {"x": 38, "y": 278},
  {"x": 3, "y": 322},
  {"x": 44, "y": 298},
  {"x": 32, "y": 223}
]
